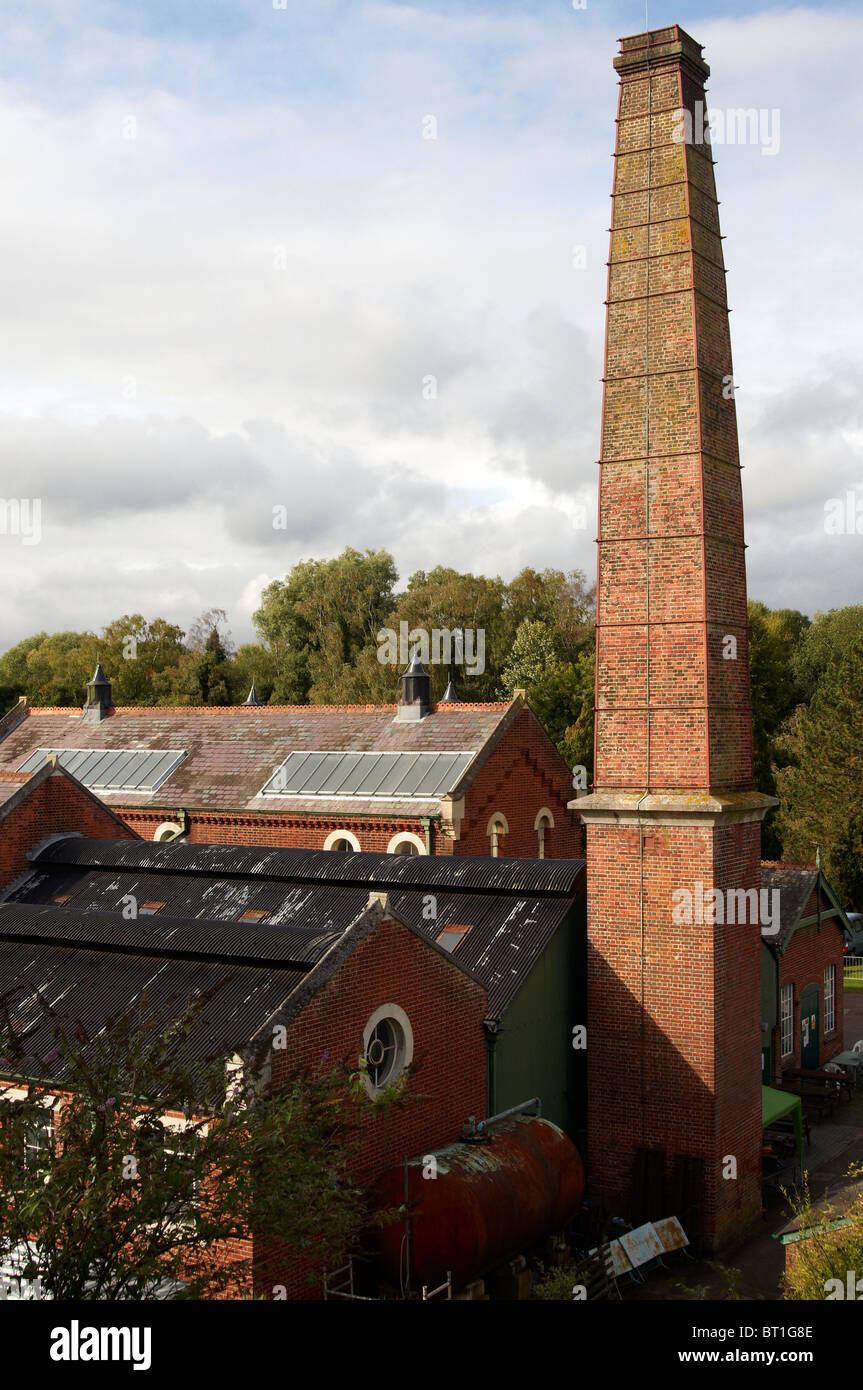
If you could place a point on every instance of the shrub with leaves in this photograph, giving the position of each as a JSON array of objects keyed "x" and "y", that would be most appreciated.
[
  {"x": 130, "y": 1167},
  {"x": 826, "y": 1251}
]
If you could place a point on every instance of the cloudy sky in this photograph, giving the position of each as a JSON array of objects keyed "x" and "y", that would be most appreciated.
[{"x": 236, "y": 274}]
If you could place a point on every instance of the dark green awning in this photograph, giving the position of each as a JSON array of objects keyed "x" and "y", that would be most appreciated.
[{"x": 775, "y": 1104}]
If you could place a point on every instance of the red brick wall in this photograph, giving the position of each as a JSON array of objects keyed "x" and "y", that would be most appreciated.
[
  {"x": 257, "y": 828},
  {"x": 673, "y": 1053},
  {"x": 445, "y": 1008},
  {"x": 524, "y": 774},
  {"x": 674, "y": 1034},
  {"x": 803, "y": 963},
  {"x": 55, "y": 805},
  {"x": 671, "y": 552}
]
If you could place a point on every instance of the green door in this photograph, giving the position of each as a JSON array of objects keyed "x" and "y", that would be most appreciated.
[{"x": 810, "y": 1027}]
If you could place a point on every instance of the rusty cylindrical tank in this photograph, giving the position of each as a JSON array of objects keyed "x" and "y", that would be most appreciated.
[{"x": 489, "y": 1200}]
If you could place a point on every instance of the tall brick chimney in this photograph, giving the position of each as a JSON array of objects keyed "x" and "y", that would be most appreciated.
[{"x": 674, "y": 1007}]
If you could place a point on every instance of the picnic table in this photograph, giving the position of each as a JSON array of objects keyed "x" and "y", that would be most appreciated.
[
  {"x": 814, "y": 1094},
  {"x": 851, "y": 1059},
  {"x": 839, "y": 1079}
]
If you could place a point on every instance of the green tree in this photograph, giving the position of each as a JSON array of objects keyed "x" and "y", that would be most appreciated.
[
  {"x": 564, "y": 602},
  {"x": 54, "y": 668},
  {"x": 214, "y": 677},
  {"x": 115, "y": 1205},
  {"x": 821, "y": 788},
  {"x": 532, "y": 658},
  {"x": 827, "y": 1251},
  {"x": 320, "y": 618},
  {"x": 774, "y": 641},
  {"x": 252, "y": 663},
  {"x": 135, "y": 653},
  {"x": 563, "y": 703},
  {"x": 826, "y": 638},
  {"x": 445, "y": 600}
]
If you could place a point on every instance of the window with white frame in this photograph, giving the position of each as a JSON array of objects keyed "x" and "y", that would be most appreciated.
[
  {"x": 495, "y": 830},
  {"x": 406, "y": 842},
  {"x": 39, "y": 1142},
  {"x": 181, "y": 1161},
  {"x": 786, "y": 1021},
  {"x": 28, "y": 1138},
  {"x": 343, "y": 840},
  {"x": 173, "y": 1147},
  {"x": 830, "y": 999},
  {"x": 388, "y": 1048},
  {"x": 543, "y": 825}
]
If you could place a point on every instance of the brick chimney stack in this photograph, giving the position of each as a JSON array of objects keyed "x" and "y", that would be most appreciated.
[{"x": 674, "y": 1008}]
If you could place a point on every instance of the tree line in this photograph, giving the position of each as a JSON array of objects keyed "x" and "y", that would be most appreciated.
[{"x": 319, "y": 642}]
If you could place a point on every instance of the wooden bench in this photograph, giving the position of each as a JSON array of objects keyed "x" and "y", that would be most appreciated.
[
  {"x": 840, "y": 1078},
  {"x": 786, "y": 1126},
  {"x": 816, "y": 1099}
]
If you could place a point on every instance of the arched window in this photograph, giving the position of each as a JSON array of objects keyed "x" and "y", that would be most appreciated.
[
  {"x": 406, "y": 843},
  {"x": 342, "y": 840},
  {"x": 543, "y": 824},
  {"x": 495, "y": 830},
  {"x": 167, "y": 830}
]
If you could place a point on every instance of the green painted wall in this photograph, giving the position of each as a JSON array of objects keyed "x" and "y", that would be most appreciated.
[{"x": 533, "y": 1052}]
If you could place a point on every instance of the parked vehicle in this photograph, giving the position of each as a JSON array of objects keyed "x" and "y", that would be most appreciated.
[{"x": 854, "y": 934}]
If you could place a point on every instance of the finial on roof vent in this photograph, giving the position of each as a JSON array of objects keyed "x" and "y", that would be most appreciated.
[
  {"x": 99, "y": 698},
  {"x": 450, "y": 695},
  {"x": 415, "y": 702},
  {"x": 252, "y": 697}
]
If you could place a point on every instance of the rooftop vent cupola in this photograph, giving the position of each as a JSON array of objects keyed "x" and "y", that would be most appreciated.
[
  {"x": 415, "y": 702},
  {"x": 252, "y": 697},
  {"x": 99, "y": 699}
]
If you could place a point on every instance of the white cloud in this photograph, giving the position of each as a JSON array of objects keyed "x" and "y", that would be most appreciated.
[{"x": 238, "y": 307}]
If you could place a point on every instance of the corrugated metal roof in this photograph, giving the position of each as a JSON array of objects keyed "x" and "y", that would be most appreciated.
[
  {"x": 506, "y": 939},
  {"x": 463, "y": 873},
  {"x": 116, "y": 769},
  {"x": 367, "y": 775},
  {"x": 310, "y": 898},
  {"x": 293, "y": 947},
  {"x": 94, "y": 985}
]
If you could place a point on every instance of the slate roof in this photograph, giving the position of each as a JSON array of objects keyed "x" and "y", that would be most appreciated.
[
  {"x": 308, "y": 898},
  {"x": 231, "y": 753},
  {"x": 795, "y": 884},
  {"x": 9, "y": 786}
]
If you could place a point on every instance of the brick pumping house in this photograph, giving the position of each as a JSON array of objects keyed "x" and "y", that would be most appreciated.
[
  {"x": 343, "y": 952},
  {"x": 681, "y": 1020},
  {"x": 411, "y": 778}
]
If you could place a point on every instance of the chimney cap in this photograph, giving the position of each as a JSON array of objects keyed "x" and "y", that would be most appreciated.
[
  {"x": 657, "y": 48},
  {"x": 415, "y": 702},
  {"x": 99, "y": 697}
]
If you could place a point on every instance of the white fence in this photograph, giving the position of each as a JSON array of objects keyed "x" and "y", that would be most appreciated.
[{"x": 854, "y": 968}]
